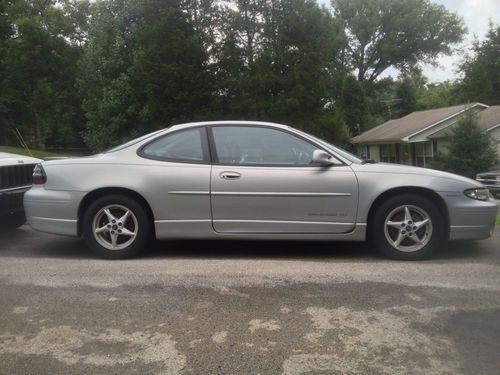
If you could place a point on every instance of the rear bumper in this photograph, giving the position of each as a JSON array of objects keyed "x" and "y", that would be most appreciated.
[{"x": 53, "y": 211}]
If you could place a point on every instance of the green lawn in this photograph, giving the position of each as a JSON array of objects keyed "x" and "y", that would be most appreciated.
[
  {"x": 21, "y": 151},
  {"x": 498, "y": 218}
]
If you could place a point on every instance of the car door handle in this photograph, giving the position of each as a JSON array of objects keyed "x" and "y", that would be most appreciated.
[{"x": 230, "y": 175}]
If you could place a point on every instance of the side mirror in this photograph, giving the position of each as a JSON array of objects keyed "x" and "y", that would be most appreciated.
[{"x": 322, "y": 158}]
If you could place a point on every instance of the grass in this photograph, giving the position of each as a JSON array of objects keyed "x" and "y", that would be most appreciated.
[
  {"x": 21, "y": 151},
  {"x": 498, "y": 218}
]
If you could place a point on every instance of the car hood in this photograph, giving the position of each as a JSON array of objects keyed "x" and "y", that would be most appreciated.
[
  {"x": 14, "y": 159},
  {"x": 407, "y": 169}
]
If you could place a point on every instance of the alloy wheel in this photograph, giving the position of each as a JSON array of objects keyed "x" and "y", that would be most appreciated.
[
  {"x": 408, "y": 228},
  {"x": 115, "y": 227}
]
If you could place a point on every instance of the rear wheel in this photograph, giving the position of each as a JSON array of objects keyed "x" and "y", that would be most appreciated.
[
  {"x": 116, "y": 227},
  {"x": 407, "y": 227}
]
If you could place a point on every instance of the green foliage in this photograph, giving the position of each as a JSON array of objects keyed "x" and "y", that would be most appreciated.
[
  {"x": 274, "y": 61},
  {"x": 437, "y": 95},
  {"x": 471, "y": 151},
  {"x": 395, "y": 33},
  {"x": 481, "y": 80},
  {"x": 143, "y": 68},
  {"x": 37, "y": 69},
  {"x": 353, "y": 105},
  {"x": 107, "y": 70}
]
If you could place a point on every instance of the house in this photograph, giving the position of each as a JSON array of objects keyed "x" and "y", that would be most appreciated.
[{"x": 416, "y": 138}]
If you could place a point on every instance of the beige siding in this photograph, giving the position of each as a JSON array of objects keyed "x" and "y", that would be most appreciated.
[
  {"x": 442, "y": 145},
  {"x": 495, "y": 133},
  {"x": 375, "y": 152}
]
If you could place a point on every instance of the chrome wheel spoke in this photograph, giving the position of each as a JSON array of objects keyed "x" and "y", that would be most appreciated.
[
  {"x": 126, "y": 232},
  {"x": 416, "y": 240},
  {"x": 114, "y": 238},
  {"x": 420, "y": 224},
  {"x": 399, "y": 239},
  {"x": 395, "y": 224},
  {"x": 101, "y": 229},
  {"x": 109, "y": 215},
  {"x": 407, "y": 214},
  {"x": 124, "y": 217}
]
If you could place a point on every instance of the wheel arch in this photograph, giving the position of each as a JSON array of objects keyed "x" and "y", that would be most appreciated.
[
  {"x": 428, "y": 193},
  {"x": 97, "y": 193}
]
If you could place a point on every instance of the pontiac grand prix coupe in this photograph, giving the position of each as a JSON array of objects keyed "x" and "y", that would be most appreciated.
[{"x": 252, "y": 180}]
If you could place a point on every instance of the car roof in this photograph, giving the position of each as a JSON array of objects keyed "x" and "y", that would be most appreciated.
[{"x": 228, "y": 122}]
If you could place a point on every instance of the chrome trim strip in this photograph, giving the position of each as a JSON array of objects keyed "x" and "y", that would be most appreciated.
[
  {"x": 275, "y": 194},
  {"x": 188, "y": 192},
  {"x": 284, "y": 222},
  {"x": 15, "y": 188},
  {"x": 52, "y": 219},
  {"x": 185, "y": 221}
]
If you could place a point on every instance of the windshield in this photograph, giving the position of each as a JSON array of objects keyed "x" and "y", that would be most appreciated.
[
  {"x": 337, "y": 150},
  {"x": 134, "y": 141}
]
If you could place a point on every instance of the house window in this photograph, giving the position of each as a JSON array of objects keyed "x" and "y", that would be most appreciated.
[
  {"x": 364, "y": 152},
  {"x": 424, "y": 154},
  {"x": 388, "y": 153}
]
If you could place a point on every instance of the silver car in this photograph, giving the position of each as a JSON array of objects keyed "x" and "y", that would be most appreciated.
[{"x": 252, "y": 180}]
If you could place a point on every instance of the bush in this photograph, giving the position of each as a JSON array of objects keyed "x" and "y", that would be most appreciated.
[{"x": 471, "y": 151}]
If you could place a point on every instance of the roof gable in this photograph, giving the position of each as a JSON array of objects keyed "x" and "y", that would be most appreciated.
[{"x": 409, "y": 125}]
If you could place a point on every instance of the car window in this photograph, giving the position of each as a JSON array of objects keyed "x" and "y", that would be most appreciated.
[
  {"x": 134, "y": 141},
  {"x": 182, "y": 146},
  {"x": 260, "y": 146}
]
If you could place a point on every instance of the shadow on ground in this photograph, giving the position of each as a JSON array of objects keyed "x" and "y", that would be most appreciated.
[{"x": 25, "y": 242}]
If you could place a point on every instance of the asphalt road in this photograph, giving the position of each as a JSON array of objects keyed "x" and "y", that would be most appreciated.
[{"x": 247, "y": 308}]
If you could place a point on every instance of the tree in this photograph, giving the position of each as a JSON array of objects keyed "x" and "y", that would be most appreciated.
[
  {"x": 143, "y": 68},
  {"x": 438, "y": 95},
  {"x": 471, "y": 151},
  {"x": 38, "y": 65},
  {"x": 395, "y": 33},
  {"x": 274, "y": 61},
  {"x": 353, "y": 105},
  {"x": 481, "y": 81}
]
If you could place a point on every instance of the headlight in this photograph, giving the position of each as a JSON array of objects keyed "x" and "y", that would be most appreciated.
[{"x": 481, "y": 194}]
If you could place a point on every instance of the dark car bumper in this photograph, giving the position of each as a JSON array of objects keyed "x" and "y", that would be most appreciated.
[{"x": 11, "y": 203}]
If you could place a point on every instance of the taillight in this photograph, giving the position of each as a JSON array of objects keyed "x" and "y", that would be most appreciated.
[{"x": 39, "y": 176}]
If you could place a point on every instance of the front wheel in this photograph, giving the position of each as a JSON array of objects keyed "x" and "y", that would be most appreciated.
[
  {"x": 407, "y": 227},
  {"x": 116, "y": 227}
]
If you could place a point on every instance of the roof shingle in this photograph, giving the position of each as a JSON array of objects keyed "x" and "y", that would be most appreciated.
[{"x": 397, "y": 129}]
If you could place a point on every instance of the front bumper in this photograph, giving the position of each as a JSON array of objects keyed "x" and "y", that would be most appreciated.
[
  {"x": 52, "y": 211},
  {"x": 11, "y": 201},
  {"x": 470, "y": 219}
]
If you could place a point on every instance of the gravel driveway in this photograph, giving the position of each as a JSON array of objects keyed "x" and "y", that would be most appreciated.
[{"x": 247, "y": 308}]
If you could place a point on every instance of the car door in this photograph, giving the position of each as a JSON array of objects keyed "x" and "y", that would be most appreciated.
[
  {"x": 177, "y": 184},
  {"x": 262, "y": 181}
]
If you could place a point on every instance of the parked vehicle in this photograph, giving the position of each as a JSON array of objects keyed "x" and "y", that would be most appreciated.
[
  {"x": 15, "y": 178},
  {"x": 491, "y": 180},
  {"x": 252, "y": 180}
]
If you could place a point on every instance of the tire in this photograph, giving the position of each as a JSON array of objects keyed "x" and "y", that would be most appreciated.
[
  {"x": 418, "y": 238},
  {"x": 124, "y": 238}
]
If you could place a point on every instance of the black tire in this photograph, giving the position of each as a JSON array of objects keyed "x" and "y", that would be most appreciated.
[
  {"x": 12, "y": 221},
  {"x": 419, "y": 207},
  {"x": 138, "y": 219}
]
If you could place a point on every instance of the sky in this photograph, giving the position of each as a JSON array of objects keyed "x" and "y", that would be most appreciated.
[{"x": 476, "y": 15}]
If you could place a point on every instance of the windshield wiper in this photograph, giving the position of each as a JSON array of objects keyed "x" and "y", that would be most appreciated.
[{"x": 368, "y": 161}]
